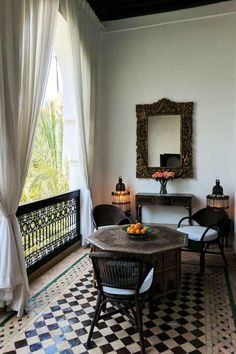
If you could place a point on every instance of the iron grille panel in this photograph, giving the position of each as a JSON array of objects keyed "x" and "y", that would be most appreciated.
[{"x": 49, "y": 226}]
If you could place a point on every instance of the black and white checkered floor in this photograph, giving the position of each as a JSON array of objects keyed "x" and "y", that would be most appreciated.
[{"x": 200, "y": 320}]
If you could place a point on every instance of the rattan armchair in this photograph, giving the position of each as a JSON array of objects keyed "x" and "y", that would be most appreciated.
[
  {"x": 122, "y": 281},
  {"x": 205, "y": 229},
  {"x": 108, "y": 214}
]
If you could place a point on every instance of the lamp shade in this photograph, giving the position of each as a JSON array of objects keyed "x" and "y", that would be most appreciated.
[
  {"x": 217, "y": 199},
  {"x": 121, "y": 197}
]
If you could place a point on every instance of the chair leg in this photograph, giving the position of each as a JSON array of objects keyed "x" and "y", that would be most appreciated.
[
  {"x": 95, "y": 318},
  {"x": 151, "y": 306},
  {"x": 222, "y": 253},
  {"x": 151, "y": 295},
  {"x": 104, "y": 306},
  {"x": 202, "y": 262},
  {"x": 140, "y": 325},
  {"x": 222, "y": 237}
]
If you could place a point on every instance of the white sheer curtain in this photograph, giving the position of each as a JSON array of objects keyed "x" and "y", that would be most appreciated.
[
  {"x": 26, "y": 36},
  {"x": 84, "y": 28}
]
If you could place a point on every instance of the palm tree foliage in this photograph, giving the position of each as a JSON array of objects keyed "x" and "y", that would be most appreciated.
[{"x": 49, "y": 171}]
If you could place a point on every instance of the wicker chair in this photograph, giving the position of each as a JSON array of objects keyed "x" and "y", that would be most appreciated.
[
  {"x": 124, "y": 282},
  {"x": 107, "y": 214},
  {"x": 205, "y": 229}
]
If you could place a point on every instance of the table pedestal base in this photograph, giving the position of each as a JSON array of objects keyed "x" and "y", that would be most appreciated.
[{"x": 167, "y": 274}]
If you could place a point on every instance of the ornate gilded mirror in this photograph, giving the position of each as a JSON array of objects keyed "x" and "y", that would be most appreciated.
[{"x": 164, "y": 138}]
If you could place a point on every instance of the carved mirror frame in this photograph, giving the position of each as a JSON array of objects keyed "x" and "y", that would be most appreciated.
[{"x": 164, "y": 107}]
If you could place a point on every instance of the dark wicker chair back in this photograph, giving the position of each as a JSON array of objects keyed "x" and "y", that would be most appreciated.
[
  {"x": 119, "y": 280},
  {"x": 209, "y": 216},
  {"x": 119, "y": 271},
  {"x": 107, "y": 214}
]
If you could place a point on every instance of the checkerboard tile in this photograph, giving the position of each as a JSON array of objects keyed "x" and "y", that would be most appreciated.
[
  {"x": 199, "y": 320},
  {"x": 43, "y": 299}
]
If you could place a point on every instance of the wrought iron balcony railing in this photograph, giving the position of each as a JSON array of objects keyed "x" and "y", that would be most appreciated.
[{"x": 48, "y": 227}]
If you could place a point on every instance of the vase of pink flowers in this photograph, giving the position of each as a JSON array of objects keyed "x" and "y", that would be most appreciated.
[{"x": 163, "y": 177}]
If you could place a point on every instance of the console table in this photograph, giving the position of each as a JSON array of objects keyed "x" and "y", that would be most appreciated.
[{"x": 169, "y": 199}]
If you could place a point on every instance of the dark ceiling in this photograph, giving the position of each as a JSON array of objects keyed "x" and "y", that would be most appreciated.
[{"x": 108, "y": 10}]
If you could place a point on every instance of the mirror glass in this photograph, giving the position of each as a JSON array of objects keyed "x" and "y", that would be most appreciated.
[
  {"x": 164, "y": 138},
  {"x": 164, "y": 141}
]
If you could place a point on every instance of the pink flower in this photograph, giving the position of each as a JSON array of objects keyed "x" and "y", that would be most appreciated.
[
  {"x": 158, "y": 174},
  {"x": 170, "y": 174},
  {"x": 163, "y": 175}
]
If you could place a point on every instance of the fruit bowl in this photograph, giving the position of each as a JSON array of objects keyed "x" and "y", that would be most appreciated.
[{"x": 137, "y": 235}]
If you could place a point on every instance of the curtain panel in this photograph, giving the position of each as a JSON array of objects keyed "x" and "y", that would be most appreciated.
[
  {"x": 84, "y": 29},
  {"x": 27, "y": 31}
]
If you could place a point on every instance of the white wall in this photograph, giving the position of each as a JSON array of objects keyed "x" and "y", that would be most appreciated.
[{"x": 182, "y": 61}]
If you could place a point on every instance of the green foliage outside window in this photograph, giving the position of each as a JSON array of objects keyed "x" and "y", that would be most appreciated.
[{"x": 49, "y": 171}]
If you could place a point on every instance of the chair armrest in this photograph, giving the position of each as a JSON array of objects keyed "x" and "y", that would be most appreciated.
[
  {"x": 213, "y": 226},
  {"x": 124, "y": 221},
  {"x": 185, "y": 218}
]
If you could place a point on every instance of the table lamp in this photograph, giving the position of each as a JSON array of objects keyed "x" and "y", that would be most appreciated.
[
  {"x": 217, "y": 199},
  {"x": 121, "y": 197}
]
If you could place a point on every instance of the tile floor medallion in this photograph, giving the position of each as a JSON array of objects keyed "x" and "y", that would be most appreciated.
[{"x": 200, "y": 320}]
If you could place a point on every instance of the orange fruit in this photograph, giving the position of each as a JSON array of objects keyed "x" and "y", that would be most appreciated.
[
  {"x": 131, "y": 230},
  {"x": 138, "y": 226},
  {"x": 143, "y": 230},
  {"x": 138, "y": 231}
]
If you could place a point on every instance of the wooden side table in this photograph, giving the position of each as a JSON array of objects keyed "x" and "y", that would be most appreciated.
[{"x": 175, "y": 199}]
